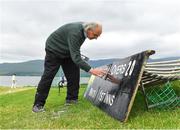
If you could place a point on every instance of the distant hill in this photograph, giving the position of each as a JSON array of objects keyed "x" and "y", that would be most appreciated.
[
  {"x": 35, "y": 67},
  {"x": 163, "y": 59}
]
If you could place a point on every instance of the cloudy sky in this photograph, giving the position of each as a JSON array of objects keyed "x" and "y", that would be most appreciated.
[{"x": 129, "y": 27}]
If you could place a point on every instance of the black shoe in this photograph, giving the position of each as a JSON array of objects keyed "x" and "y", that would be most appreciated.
[
  {"x": 38, "y": 108},
  {"x": 71, "y": 102}
]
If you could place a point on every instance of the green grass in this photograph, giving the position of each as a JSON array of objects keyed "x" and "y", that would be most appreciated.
[
  {"x": 15, "y": 112},
  {"x": 6, "y": 90}
]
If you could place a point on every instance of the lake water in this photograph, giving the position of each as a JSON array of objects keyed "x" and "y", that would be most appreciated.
[{"x": 31, "y": 80}]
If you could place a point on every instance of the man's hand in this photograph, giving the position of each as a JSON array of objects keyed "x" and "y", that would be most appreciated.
[{"x": 98, "y": 72}]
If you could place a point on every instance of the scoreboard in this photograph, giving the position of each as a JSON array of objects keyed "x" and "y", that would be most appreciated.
[{"x": 114, "y": 93}]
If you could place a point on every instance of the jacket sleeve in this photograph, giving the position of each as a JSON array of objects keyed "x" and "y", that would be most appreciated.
[{"x": 74, "y": 47}]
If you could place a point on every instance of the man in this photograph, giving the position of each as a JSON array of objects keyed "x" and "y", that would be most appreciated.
[
  {"x": 63, "y": 49},
  {"x": 13, "y": 81}
]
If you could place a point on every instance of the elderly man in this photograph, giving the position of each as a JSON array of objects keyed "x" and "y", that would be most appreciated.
[{"x": 63, "y": 49}]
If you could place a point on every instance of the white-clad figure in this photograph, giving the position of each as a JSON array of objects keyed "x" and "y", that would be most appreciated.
[{"x": 13, "y": 81}]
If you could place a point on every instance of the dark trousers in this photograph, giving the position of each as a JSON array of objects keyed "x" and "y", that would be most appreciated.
[{"x": 51, "y": 66}]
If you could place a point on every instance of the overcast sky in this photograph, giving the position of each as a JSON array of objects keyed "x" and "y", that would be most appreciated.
[{"x": 129, "y": 27}]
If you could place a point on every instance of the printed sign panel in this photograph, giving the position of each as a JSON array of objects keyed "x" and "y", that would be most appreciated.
[{"x": 114, "y": 93}]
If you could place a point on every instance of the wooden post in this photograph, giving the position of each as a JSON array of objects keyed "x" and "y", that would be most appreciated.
[{"x": 144, "y": 95}]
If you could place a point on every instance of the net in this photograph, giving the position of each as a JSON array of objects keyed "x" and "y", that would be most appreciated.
[{"x": 163, "y": 97}]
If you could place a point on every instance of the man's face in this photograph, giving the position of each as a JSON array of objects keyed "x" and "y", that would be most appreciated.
[{"x": 94, "y": 34}]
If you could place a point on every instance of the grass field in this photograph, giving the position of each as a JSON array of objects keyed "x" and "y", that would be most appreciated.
[{"x": 15, "y": 112}]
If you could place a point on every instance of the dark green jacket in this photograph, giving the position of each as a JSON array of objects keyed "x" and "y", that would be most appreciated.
[{"x": 66, "y": 42}]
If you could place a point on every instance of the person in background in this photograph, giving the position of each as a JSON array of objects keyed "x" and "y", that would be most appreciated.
[
  {"x": 63, "y": 49},
  {"x": 61, "y": 82},
  {"x": 13, "y": 81}
]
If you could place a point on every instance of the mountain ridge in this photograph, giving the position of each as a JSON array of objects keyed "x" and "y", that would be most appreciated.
[{"x": 35, "y": 67}]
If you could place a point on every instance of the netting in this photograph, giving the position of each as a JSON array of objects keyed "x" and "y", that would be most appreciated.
[{"x": 163, "y": 97}]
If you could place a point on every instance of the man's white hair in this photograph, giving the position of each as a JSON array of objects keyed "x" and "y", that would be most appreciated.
[{"x": 90, "y": 25}]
